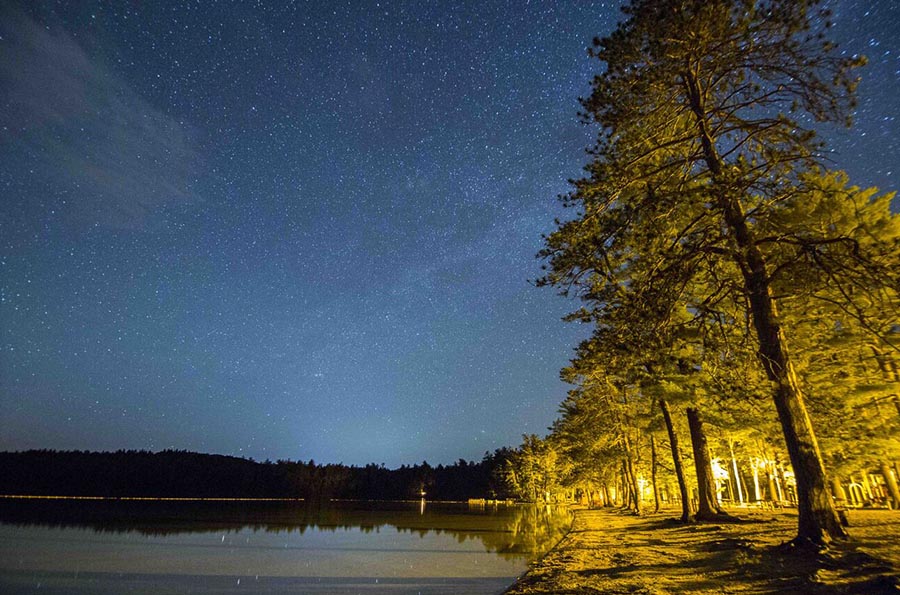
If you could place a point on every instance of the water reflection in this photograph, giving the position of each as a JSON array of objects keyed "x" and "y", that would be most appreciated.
[
  {"x": 534, "y": 530},
  {"x": 512, "y": 532}
]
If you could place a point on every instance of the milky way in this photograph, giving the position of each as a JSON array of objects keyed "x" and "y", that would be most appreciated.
[{"x": 307, "y": 231}]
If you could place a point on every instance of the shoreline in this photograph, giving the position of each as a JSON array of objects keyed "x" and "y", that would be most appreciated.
[{"x": 611, "y": 551}]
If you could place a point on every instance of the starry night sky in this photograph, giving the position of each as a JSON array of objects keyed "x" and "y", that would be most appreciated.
[{"x": 307, "y": 232}]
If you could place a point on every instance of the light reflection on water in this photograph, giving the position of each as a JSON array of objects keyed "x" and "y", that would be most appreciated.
[{"x": 157, "y": 547}]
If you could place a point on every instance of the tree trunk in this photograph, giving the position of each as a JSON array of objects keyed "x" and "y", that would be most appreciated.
[
  {"x": 707, "y": 501},
  {"x": 686, "y": 511},
  {"x": 756, "y": 494},
  {"x": 737, "y": 473},
  {"x": 782, "y": 484},
  {"x": 620, "y": 495},
  {"x": 635, "y": 486},
  {"x": 628, "y": 483},
  {"x": 774, "y": 496},
  {"x": 891, "y": 482},
  {"x": 630, "y": 477},
  {"x": 653, "y": 472},
  {"x": 818, "y": 520},
  {"x": 840, "y": 496},
  {"x": 840, "y": 500},
  {"x": 629, "y": 488},
  {"x": 729, "y": 485}
]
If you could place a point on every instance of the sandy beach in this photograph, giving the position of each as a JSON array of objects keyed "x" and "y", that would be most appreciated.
[{"x": 613, "y": 552}]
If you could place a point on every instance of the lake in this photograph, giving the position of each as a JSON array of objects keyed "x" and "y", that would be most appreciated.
[{"x": 159, "y": 547}]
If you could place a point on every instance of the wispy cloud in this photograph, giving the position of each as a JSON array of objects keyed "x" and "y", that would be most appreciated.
[{"x": 74, "y": 128}]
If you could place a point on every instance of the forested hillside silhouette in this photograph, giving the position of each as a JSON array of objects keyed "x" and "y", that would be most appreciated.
[{"x": 183, "y": 474}]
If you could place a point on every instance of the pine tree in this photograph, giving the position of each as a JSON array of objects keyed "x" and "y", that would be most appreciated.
[
  {"x": 599, "y": 422},
  {"x": 705, "y": 109}
]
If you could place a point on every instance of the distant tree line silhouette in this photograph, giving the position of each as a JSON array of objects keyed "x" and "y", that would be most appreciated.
[{"x": 183, "y": 474}]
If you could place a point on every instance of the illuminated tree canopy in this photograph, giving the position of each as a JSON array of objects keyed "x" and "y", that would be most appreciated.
[{"x": 707, "y": 205}]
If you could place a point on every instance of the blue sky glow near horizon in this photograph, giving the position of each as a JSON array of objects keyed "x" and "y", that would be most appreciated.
[{"x": 306, "y": 230}]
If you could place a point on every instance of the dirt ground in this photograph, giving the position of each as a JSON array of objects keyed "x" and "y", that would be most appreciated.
[{"x": 613, "y": 552}]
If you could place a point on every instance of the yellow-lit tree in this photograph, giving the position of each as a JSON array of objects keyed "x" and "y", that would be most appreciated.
[{"x": 704, "y": 109}]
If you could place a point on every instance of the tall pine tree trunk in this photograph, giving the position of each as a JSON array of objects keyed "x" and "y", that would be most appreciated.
[
  {"x": 818, "y": 520},
  {"x": 635, "y": 485},
  {"x": 774, "y": 496},
  {"x": 628, "y": 482},
  {"x": 708, "y": 503},
  {"x": 756, "y": 490},
  {"x": 840, "y": 500},
  {"x": 686, "y": 511},
  {"x": 653, "y": 472},
  {"x": 631, "y": 476},
  {"x": 837, "y": 489},
  {"x": 737, "y": 472}
]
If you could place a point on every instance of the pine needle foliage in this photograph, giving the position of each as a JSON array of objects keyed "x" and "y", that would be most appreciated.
[{"x": 706, "y": 202}]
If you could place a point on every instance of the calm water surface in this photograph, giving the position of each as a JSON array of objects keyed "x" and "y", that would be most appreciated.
[{"x": 268, "y": 547}]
